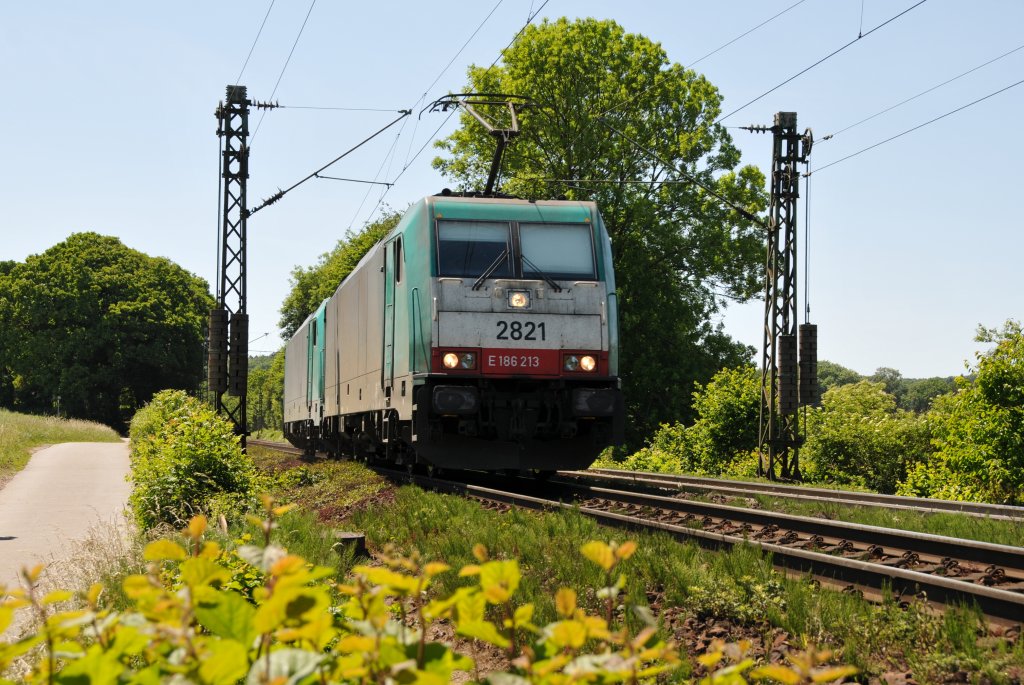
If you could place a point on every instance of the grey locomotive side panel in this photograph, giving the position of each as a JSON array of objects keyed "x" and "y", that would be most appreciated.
[
  {"x": 332, "y": 358},
  {"x": 295, "y": 371},
  {"x": 360, "y": 335}
]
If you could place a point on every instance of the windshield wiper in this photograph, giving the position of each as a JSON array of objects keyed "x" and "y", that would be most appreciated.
[
  {"x": 490, "y": 270},
  {"x": 554, "y": 286}
]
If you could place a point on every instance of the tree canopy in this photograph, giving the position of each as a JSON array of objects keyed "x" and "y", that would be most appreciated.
[
  {"x": 614, "y": 121},
  {"x": 99, "y": 328},
  {"x": 312, "y": 285}
]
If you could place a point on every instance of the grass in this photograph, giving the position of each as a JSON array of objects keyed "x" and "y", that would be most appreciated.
[
  {"x": 21, "y": 433},
  {"x": 697, "y": 594}
]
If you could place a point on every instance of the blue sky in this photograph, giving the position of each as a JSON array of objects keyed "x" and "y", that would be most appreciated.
[{"x": 107, "y": 125}]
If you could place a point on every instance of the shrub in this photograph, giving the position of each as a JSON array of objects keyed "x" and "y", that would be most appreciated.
[
  {"x": 859, "y": 437},
  {"x": 723, "y": 439},
  {"x": 979, "y": 431},
  {"x": 186, "y": 460}
]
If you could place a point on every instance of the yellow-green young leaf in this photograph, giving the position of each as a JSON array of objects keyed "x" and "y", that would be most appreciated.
[
  {"x": 254, "y": 520},
  {"x": 599, "y": 553},
  {"x": 199, "y": 572},
  {"x": 32, "y": 574},
  {"x": 159, "y": 550},
  {"x": 399, "y": 582},
  {"x": 196, "y": 527},
  {"x": 434, "y": 568},
  {"x": 523, "y": 615},
  {"x": 93, "y": 596},
  {"x": 284, "y": 509},
  {"x": 480, "y": 552},
  {"x": 625, "y": 550},
  {"x": 471, "y": 607},
  {"x": 223, "y": 662},
  {"x": 97, "y": 667},
  {"x": 833, "y": 673},
  {"x": 6, "y": 615},
  {"x": 709, "y": 660},
  {"x": 571, "y": 634},
  {"x": 499, "y": 580},
  {"x": 136, "y": 586},
  {"x": 483, "y": 630},
  {"x": 565, "y": 602},
  {"x": 775, "y": 672},
  {"x": 57, "y": 596},
  {"x": 469, "y": 570}
]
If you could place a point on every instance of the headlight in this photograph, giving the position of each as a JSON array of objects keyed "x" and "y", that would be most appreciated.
[
  {"x": 583, "y": 362},
  {"x": 459, "y": 360},
  {"x": 519, "y": 299}
]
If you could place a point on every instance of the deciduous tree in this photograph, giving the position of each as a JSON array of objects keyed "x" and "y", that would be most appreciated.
[
  {"x": 311, "y": 285},
  {"x": 101, "y": 327}
]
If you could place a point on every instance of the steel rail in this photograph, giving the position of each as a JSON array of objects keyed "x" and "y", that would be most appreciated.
[
  {"x": 747, "y": 489},
  {"x": 998, "y": 604}
]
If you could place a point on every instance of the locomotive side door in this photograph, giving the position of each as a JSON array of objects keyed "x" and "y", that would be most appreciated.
[{"x": 392, "y": 262}]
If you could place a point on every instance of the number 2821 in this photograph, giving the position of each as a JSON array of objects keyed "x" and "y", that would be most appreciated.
[{"x": 521, "y": 330}]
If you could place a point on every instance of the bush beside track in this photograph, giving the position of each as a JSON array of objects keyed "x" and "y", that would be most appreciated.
[{"x": 186, "y": 460}]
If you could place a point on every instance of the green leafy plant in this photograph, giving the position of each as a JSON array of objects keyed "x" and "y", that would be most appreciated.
[
  {"x": 188, "y": 622},
  {"x": 185, "y": 459}
]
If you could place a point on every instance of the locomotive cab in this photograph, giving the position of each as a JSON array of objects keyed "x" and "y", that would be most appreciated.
[{"x": 523, "y": 366}]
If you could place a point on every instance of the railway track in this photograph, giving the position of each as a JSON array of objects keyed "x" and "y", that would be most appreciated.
[
  {"x": 696, "y": 484},
  {"x": 852, "y": 556}
]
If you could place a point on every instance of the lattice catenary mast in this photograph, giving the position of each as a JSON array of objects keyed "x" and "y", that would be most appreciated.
[
  {"x": 229, "y": 322},
  {"x": 786, "y": 384}
]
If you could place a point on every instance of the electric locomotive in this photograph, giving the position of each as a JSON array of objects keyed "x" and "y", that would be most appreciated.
[{"x": 481, "y": 333}]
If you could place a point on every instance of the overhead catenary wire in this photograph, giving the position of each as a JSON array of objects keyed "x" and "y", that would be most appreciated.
[
  {"x": 341, "y": 109},
  {"x": 283, "y": 69},
  {"x": 255, "y": 40},
  {"x": 281, "y": 193},
  {"x": 689, "y": 177},
  {"x": 923, "y": 92},
  {"x": 823, "y": 59},
  {"x": 743, "y": 35},
  {"x": 914, "y": 128},
  {"x": 409, "y": 161}
]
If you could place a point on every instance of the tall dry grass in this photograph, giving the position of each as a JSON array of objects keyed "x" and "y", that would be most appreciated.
[{"x": 21, "y": 433}]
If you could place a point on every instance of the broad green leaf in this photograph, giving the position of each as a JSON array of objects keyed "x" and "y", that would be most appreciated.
[
  {"x": 230, "y": 616},
  {"x": 224, "y": 662},
  {"x": 97, "y": 667}
]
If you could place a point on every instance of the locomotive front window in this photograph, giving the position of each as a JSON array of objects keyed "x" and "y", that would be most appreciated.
[
  {"x": 559, "y": 251},
  {"x": 469, "y": 248}
]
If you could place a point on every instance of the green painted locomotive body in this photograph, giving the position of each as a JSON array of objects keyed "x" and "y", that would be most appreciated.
[{"x": 480, "y": 333}]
